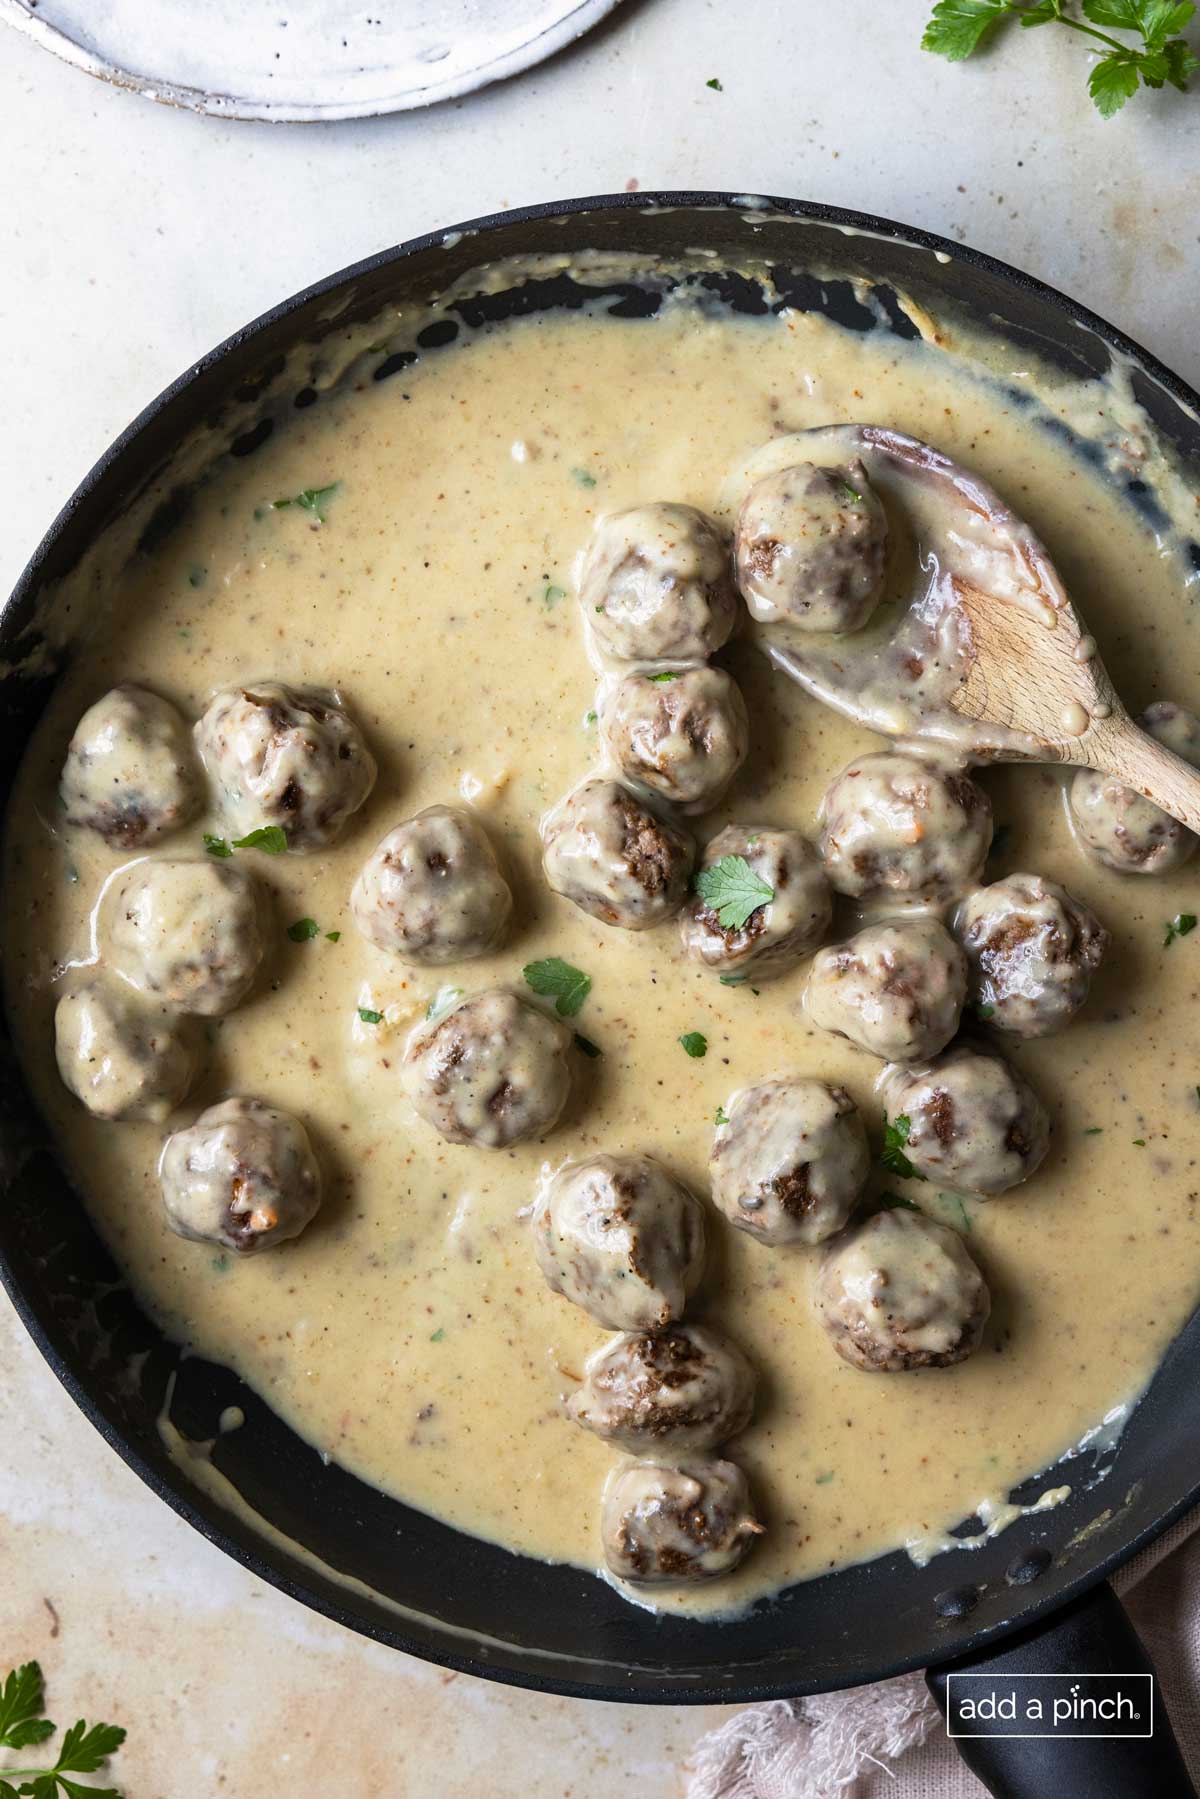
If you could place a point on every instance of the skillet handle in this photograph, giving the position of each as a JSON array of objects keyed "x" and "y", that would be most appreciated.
[{"x": 1092, "y": 1635}]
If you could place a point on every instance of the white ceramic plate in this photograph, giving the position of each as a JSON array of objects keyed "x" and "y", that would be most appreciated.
[{"x": 303, "y": 59}]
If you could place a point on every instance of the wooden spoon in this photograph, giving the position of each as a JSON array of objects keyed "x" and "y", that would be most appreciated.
[{"x": 980, "y": 650}]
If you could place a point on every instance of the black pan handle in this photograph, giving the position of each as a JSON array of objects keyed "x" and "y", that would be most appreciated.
[{"x": 1092, "y": 1635}]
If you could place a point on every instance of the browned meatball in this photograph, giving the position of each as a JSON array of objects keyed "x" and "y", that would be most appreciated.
[
  {"x": 968, "y": 1120},
  {"x": 622, "y": 1238},
  {"x": 782, "y": 871},
  {"x": 432, "y": 891},
  {"x": 678, "y": 1392},
  {"x": 657, "y": 585},
  {"x": 904, "y": 830},
  {"x": 243, "y": 1176},
  {"x": 1032, "y": 951},
  {"x": 130, "y": 774},
  {"x": 896, "y": 989},
  {"x": 810, "y": 545},
  {"x": 665, "y": 1523},
  {"x": 490, "y": 1072},
  {"x": 789, "y": 1161},
  {"x": 1122, "y": 828},
  {"x": 899, "y": 1291},
  {"x": 614, "y": 858},
  {"x": 682, "y": 734}
]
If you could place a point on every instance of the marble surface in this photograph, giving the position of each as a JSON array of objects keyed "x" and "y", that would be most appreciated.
[{"x": 131, "y": 239}]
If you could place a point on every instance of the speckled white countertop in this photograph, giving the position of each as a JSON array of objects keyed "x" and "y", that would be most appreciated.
[{"x": 132, "y": 238}]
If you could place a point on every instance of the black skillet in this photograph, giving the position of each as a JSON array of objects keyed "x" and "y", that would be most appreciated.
[{"x": 1033, "y": 1597}]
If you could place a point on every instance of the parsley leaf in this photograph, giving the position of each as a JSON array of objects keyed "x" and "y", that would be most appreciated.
[
  {"x": 695, "y": 1044},
  {"x": 271, "y": 838},
  {"x": 957, "y": 28},
  {"x": 733, "y": 891},
  {"x": 310, "y": 499},
  {"x": 586, "y": 1046},
  {"x": 669, "y": 674},
  {"x": 369, "y": 1017},
  {"x": 715, "y": 84},
  {"x": 216, "y": 846},
  {"x": 556, "y": 979},
  {"x": 21, "y": 1700},
  {"x": 303, "y": 930},
  {"x": 551, "y": 595},
  {"x": 849, "y": 490},
  {"x": 437, "y": 1335},
  {"x": 582, "y": 476},
  {"x": 894, "y": 1202},
  {"x": 333, "y": 936},
  {"x": 720, "y": 1116},
  {"x": 1182, "y": 925},
  {"x": 84, "y": 1747},
  {"x": 895, "y": 1139}
]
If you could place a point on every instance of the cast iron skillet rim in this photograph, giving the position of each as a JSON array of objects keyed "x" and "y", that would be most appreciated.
[{"x": 745, "y": 1692}]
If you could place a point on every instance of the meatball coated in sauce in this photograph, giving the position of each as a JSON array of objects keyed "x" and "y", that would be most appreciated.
[
  {"x": 680, "y": 1392},
  {"x": 243, "y": 1176},
  {"x": 610, "y": 855},
  {"x": 899, "y": 1291},
  {"x": 1120, "y": 827},
  {"x": 432, "y": 891},
  {"x": 122, "y": 1059},
  {"x": 491, "y": 1072},
  {"x": 682, "y": 735},
  {"x": 790, "y": 1160},
  {"x": 186, "y": 933},
  {"x": 620, "y": 1237},
  {"x": 778, "y": 933},
  {"x": 974, "y": 1123},
  {"x": 130, "y": 773},
  {"x": 664, "y": 1523},
  {"x": 287, "y": 756},
  {"x": 903, "y": 831},
  {"x": 895, "y": 989},
  {"x": 810, "y": 547},
  {"x": 657, "y": 585},
  {"x": 1032, "y": 951}
]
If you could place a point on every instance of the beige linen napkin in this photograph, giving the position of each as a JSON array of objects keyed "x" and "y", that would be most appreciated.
[{"x": 888, "y": 1740}]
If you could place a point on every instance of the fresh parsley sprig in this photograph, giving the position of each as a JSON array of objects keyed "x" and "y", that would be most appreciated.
[
  {"x": 957, "y": 28},
  {"x": 312, "y": 500},
  {"x": 733, "y": 890},
  {"x": 557, "y": 980},
  {"x": 895, "y": 1141},
  {"x": 85, "y": 1747}
]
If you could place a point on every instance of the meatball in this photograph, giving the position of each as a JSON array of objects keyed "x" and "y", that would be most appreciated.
[
  {"x": 286, "y": 756},
  {"x": 491, "y": 1072},
  {"x": 678, "y": 1393},
  {"x": 1032, "y": 951},
  {"x": 656, "y": 585},
  {"x": 1120, "y": 827},
  {"x": 793, "y": 915},
  {"x": 810, "y": 547},
  {"x": 681, "y": 735},
  {"x": 968, "y": 1120},
  {"x": 895, "y": 989},
  {"x": 614, "y": 858},
  {"x": 663, "y": 1523},
  {"x": 899, "y": 829},
  {"x": 789, "y": 1161},
  {"x": 123, "y": 1060},
  {"x": 620, "y": 1237},
  {"x": 186, "y": 933},
  {"x": 130, "y": 774},
  {"x": 899, "y": 1291},
  {"x": 432, "y": 892},
  {"x": 244, "y": 1176}
]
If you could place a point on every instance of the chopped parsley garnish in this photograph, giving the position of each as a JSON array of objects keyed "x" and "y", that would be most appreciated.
[
  {"x": 555, "y": 979},
  {"x": 985, "y": 1010},
  {"x": 369, "y": 1017},
  {"x": 438, "y": 1334},
  {"x": 443, "y": 1001},
  {"x": 1139, "y": 1143},
  {"x": 895, "y": 1202},
  {"x": 954, "y": 1203},
  {"x": 270, "y": 838},
  {"x": 584, "y": 479},
  {"x": 850, "y": 491},
  {"x": 720, "y": 1116},
  {"x": 589, "y": 718},
  {"x": 216, "y": 846},
  {"x": 552, "y": 595},
  {"x": 823, "y": 1480},
  {"x": 737, "y": 980},
  {"x": 668, "y": 674},
  {"x": 197, "y": 576},
  {"x": 695, "y": 1044},
  {"x": 1182, "y": 925},
  {"x": 303, "y": 930},
  {"x": 733, "y": 891},
  {"x": 895, "y": 1139},
  {"x": 586, "y": 1046},
  {"x": 714, "y": 84},
  {"x": 85, "y": 1748},
  {"x": 1094, "y": 1130},
  {"x": 333, "y": 936},
  {"x": 310, "y": 499},
  {"x": 957, "y": 28}
]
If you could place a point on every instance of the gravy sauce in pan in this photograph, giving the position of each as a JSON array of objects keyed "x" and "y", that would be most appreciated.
[{"x": 408, "y": 1333}]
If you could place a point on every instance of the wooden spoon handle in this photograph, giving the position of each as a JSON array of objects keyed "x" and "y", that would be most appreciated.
[{"x": 1118, "y": 747}]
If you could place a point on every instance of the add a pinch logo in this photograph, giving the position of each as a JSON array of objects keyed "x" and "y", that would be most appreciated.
[{"x": 1050, "y": 1705}]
